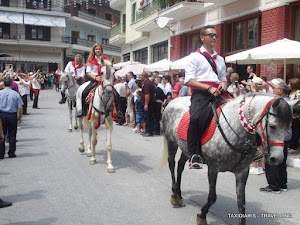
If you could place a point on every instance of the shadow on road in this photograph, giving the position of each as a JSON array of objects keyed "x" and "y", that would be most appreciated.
[
  {"x": 225, "y": 207},
  {"x": 46, "y": 221},
  {"x": 132, "y": 161},
  {"x": 32, "y": 195},
  {"x": 32, "y": 154}
]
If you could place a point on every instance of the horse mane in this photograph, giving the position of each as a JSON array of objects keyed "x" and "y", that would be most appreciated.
[{"x": 281, "y": 108}]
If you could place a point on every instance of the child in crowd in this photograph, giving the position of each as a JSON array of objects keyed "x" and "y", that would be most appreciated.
[{"x": 140, "y": 120}]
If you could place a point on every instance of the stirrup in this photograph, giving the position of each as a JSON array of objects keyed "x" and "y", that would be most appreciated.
[{"x": 196, "y": 164}]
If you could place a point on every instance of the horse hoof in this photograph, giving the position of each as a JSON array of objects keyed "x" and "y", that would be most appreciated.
[
  {"x": 70, "y": 130},
  {"x": 93, "y": 161},
  {"x": 76, "y": 128},
  {"x": 81, "y": 148},
  {"x": 201, "y": 221},
  {"x": 110, "y": 170},
  {"x": 177, "y": 202},
  {"x": 88, "y": 154}
]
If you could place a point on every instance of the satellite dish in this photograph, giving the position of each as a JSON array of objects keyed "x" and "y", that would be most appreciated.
[{"x": 162, "y": 21}]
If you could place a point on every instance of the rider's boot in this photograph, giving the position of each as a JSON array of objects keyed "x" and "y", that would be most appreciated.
[
  {"x": 63, "y": 98},
  {"x": 193, "y": 142},
  {"x": 81, "y": 107}
]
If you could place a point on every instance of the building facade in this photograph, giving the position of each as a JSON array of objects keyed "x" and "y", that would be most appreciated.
[
  {"x": 170, "y": 29},
  {"x": 46, "y": 34}
]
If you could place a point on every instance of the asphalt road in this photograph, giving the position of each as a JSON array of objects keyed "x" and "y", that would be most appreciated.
[{"x": 51, "y": 182}]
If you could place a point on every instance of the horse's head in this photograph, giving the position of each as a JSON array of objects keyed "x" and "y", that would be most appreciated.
[
  {"x": 107, "y": 76},
  {"x": 273, "y": 126},
  {"x": 64, "y": 81}
]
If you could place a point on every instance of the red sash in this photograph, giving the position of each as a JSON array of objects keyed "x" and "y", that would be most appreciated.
[
  {"x": 95, "y": 62},
  {"x": 209, "y": 56},
  {"x": 77, "y": 67}
]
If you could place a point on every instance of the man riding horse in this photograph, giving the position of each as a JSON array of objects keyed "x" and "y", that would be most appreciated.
[
  {"x": 77, "y": 70},
  {"x": 205, "y": 74}
]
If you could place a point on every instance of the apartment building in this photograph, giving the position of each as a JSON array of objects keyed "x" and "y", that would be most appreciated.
[
  {"x": 46, "y": 34},
  {"x": 151, "y": 30}
]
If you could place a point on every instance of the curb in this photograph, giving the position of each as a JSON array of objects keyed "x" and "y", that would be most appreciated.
[{"x": 293, "y": 160}]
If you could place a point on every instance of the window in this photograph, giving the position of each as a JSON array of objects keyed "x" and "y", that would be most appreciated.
[
  {"x": 124, "y": 23},
  {"x": 38, "y": 4},
  {"x": 108, "y": 16},
  {"x": 37, "y": 33},
  {"x": 243, "y": 34},
  {"x": 141, "y": 56},
  {"x": 126, "y": 57},
  {"x": 91, "y": 37},
  {"x": 191, "y": 42},
  {"x": 133, "y": 12},
  {"x": 105, "y": 41},
  {"x": 4, "y": 30},
  {"x": 92, "y": 12},
  {"x": 4, "y": 2},
  {"x": 160, "y": 51}
]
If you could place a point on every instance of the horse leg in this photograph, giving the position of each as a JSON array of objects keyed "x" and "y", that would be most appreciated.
[
  {"x": 70, "y": 115},
  {"x": 110, "y": 168},
  {"x": 212, "y": 196},
  {"x": 94, "y": 143},
  {"x": 172, "y": 150},
  {"x": 241, "y": 180},
  {"x": 89, "y": 150},
  {"x": 81, "y": 144},
  {"x": 176, "y": 198},
  {"x": 76, "y": 119}
]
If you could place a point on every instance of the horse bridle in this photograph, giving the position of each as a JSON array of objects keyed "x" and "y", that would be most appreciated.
[{"x": 265, "y": 136}]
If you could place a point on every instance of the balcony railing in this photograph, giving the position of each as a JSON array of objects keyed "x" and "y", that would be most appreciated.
[
  {"x": 167, "y": 3},
  {"x": 115, "y": 30},
  {"x": 88, "y": 43},
  {"x": 93, "y": 18},
  {"x": 147, "y": 10},
  {"x": 22, "y": 37}
]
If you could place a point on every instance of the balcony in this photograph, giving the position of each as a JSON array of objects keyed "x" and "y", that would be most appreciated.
[
  {"x": 84, "y": 44},
  {"x": 89, "y": 19},
  {"x": 117, "y": 37},
  {"x": 146, "y": 17},
  {"x": 181, "y": 10},
  {"x": 117, "y": 4},
  {"x": 19, "y": 39}
]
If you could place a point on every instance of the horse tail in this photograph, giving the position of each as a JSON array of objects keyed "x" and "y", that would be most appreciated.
[{"x": 165, "y": 155}]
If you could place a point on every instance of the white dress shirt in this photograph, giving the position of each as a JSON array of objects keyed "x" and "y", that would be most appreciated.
[
  {"x": 92, "y": 68},
  {"x": 70, "y": 68},
  {"x": 24, "y": 87},
  {"x": 199, "y": 69}
]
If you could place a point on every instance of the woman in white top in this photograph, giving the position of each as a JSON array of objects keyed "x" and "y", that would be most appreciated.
[{"x": 93, "y": 70}]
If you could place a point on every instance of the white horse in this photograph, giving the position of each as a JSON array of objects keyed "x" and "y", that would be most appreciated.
[
  {"x": 99, "y": 113},
  {"x": 70, "y": 87}
]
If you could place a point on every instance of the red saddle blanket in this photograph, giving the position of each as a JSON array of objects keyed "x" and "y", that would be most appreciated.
[{"x": 207, "y": 134}]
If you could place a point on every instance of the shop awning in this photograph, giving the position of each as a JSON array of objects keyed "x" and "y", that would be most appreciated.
[{"x": 32, "y": 19}]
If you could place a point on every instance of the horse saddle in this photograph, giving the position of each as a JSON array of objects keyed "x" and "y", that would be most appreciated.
[{"x": 208, "y": 132}]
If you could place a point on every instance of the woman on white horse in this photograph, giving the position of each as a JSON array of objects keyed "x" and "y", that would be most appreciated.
[
  {"x": 93, "y": 70},
  {"x": 77, "y": 70}
]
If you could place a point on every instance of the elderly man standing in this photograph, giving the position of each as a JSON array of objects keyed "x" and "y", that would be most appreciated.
[
  {"x": 277, "y": 175},
  {"x": 10, "y": 104}
]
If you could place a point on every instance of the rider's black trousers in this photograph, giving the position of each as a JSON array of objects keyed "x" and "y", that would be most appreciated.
[{"x": 85, "y": 93}]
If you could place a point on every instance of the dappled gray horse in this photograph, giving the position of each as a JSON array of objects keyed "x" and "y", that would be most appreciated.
[
  {"x": 266, "y": 115},
  {"x": 69, "y": 86},
  {"x": 99, "y": 113}
]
